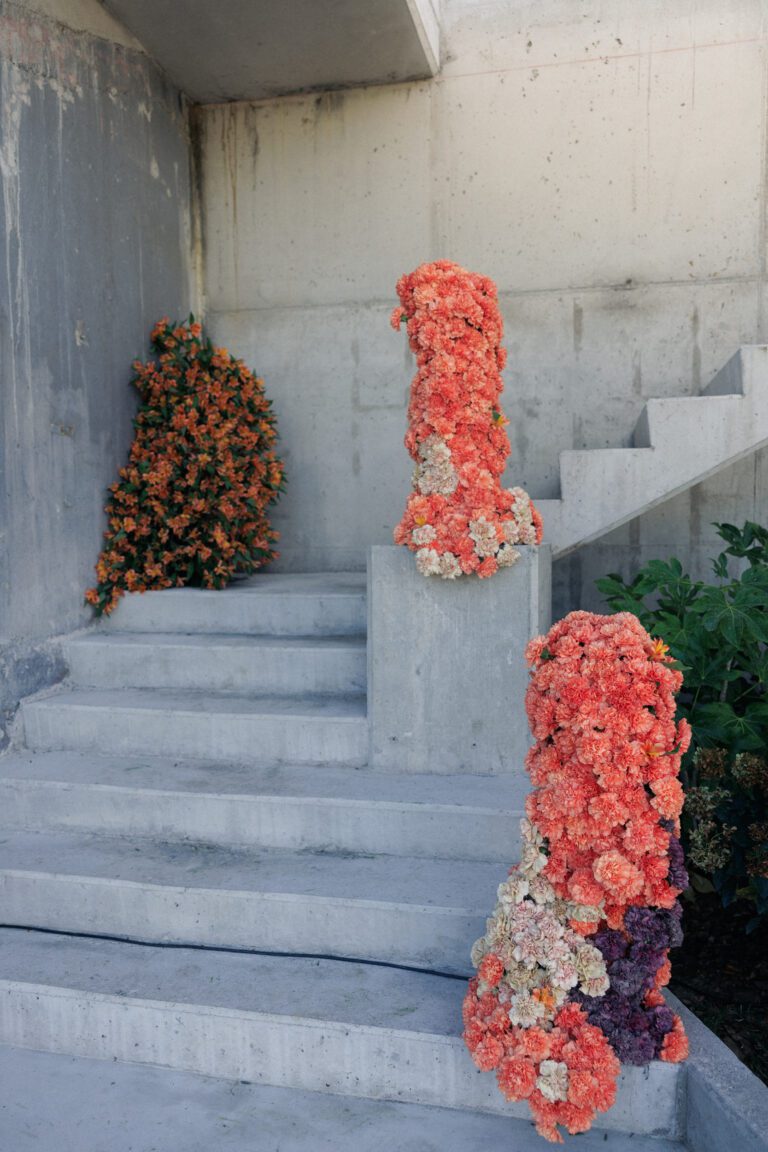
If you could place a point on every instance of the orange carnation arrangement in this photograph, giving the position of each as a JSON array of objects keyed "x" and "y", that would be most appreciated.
[
  {"x": 191, "y": 505},
  {"x": 458, "y": 519},
  {"x": 570, "y": 968}
]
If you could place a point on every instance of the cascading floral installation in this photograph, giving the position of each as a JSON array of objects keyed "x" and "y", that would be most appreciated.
[
  {"x": 570, "y": 968},
  {"x": 458, "y": 518},
  {"x": 191, "y": 505}
]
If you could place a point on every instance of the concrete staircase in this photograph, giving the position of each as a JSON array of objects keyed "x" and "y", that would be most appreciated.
[
  {"x": 199, "y": 874},
  {"x": 678, "y": 442}
]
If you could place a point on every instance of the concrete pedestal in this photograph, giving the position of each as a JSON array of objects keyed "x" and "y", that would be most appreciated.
[{"x": 446, "y": 673}]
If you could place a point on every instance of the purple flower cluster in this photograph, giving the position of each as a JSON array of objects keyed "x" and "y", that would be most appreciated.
[
  {"x": 632, "y": 958},
  {"x": 678, "y": 875}
]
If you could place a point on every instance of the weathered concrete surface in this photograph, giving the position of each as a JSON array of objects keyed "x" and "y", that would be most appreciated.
[
  {"x": 318, "y": 1025},
  {"x": 396, "y": 909},
  {"x": 267, "y": 604},
  {"x": 23, "y": 669},
  {"x": 446, "y": 670},
  {"x": 130, "y": 1108},
  {"x": 300, "y": 809},
  {"x": 247, "y": 51},
  {"x": 94, "y": 246},
  {"x": 726, "y": 1104},
  {"x": 566, "y": 152},
  {"x": 233, "y": 729},
  {"x": 87, "y": 16},
  {"x": 258, "y": 665}
]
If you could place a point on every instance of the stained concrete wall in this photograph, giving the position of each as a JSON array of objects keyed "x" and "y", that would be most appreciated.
[
  {"x": 94, "y": 246},
  {"x": 604, "y": 162}
]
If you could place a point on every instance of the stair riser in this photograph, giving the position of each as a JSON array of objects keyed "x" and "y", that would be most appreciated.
[
  {"x": 290, "y": 823},
  {"x": 713, "y": 423},
  {"x": 378, "y": 1063},
  {"x": 261, "y": 670},
  {"x": 233, "y": 738},
  {"x": 396, "y": 933},
  {"x": 618, "y": 475},
  {"x": 263, "y": 614}
]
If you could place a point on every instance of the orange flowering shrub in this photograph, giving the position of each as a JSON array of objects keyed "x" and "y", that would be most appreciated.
[
  {"x": 458, "y": 519},
  {"x": 191, "y": 505},
  {"x": 570, "y": 968}
]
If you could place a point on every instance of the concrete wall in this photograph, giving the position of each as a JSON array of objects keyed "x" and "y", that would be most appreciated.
[
  {"x": 604, "y": 162},
  {"x": 94, "y": 246}
]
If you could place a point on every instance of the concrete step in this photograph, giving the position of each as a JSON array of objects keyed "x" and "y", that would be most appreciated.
[
  {"x": 611, "y": 472},
  {"x": 296, "y": 604},
  {"x": 267, "y": 665},
  {"x": 314, "y": 808},
  {"x": 679, "y": 442},
  {"x": 313, "y": 1025},
  {"x": 235, "y": 729},
  {"x": 714, "y": 422},
  {"x": 99, "y": 1106},
  {"x": 390, "y": 908}
]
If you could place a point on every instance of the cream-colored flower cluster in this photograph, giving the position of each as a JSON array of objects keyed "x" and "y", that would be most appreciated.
[
  {"x": 434, "y": 474},
  {"x": 544, "y": 959}
]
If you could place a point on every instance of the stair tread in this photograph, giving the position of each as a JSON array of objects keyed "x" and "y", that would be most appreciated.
[
  {"x": 347, "y": 877},
  {"x": 282, "y": 583},
  {"x": 355, "y": 1028},
  {"x": 296, "y": 783},
  {"x": 132, "y": 1108},
  {"x": 644, "y": 453},
  {"x": 709, "y": 403},
  {"x": 352, "y": 708},
  {"x": 367, "y": 995},
  {"x": 232, "y": 640}
]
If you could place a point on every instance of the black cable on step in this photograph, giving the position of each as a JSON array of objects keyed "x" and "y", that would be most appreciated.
[{"x": 116, "y": 939}]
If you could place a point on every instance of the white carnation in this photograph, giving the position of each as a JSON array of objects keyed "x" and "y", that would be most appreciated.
[{"x": 552, "y": 1080}]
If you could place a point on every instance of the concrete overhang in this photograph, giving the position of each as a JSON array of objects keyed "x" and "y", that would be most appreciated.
[{"x": 216, "y": 50}]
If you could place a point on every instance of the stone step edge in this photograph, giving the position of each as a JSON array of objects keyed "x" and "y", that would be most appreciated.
[
  {"x": 222, "y": 894},
  {"x": 434, "y": 937},
  {"x": 182, "y": 701},
  {"x": 324, "y": 821},
  {"x": 127, "y": 641},
  {"x": 184, "y": 1110},
  {"x": 329, "y": 1056},
  {"x": 271, "y": 799}
]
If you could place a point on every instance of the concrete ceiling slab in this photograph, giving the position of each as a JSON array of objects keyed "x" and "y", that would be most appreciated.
[{"x": 218, "y": 50}]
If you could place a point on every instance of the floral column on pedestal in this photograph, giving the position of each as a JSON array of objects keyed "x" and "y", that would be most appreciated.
[
  {"x": 574, "y": 957},
  {"x": 459, "y": 519}
]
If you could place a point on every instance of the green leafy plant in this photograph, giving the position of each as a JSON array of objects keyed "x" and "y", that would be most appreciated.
[{"x": 718, "y": 634}]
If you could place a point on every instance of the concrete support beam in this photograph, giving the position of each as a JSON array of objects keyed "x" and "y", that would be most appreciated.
[{"x": 446, "y": 674}]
